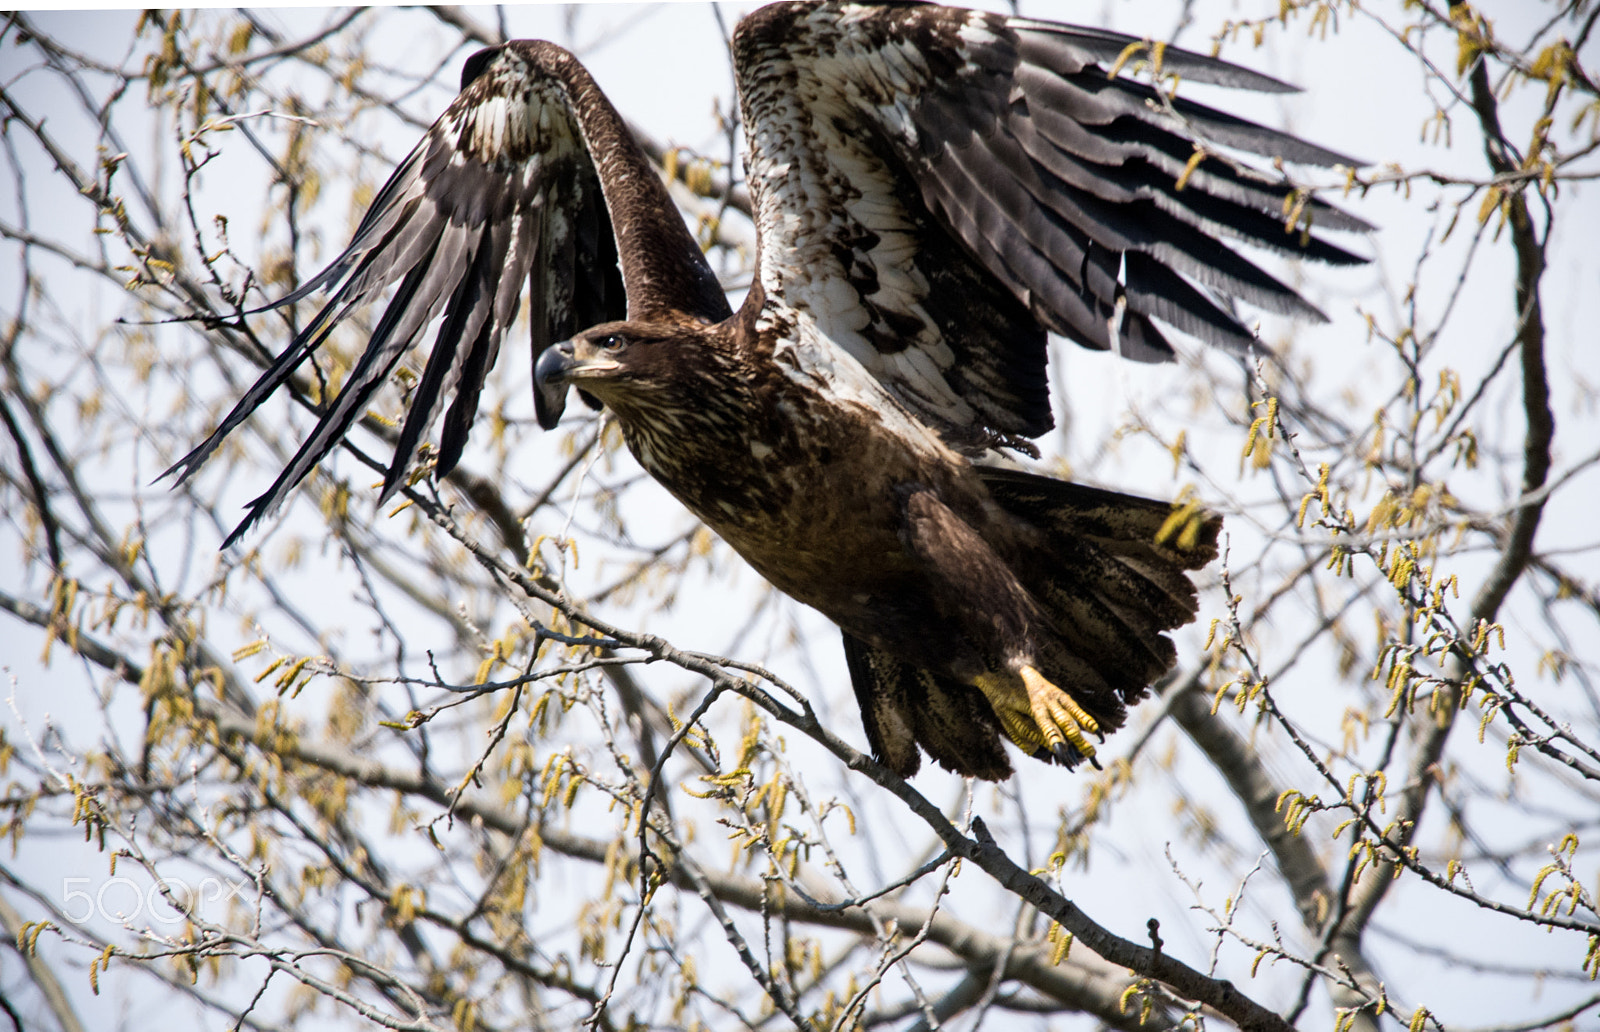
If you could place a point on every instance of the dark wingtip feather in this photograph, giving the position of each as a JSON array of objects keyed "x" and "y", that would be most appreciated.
[
  {"x": 302, "y": 347},
  {"x": 458, "y": 226},
  {"x": 1104, "y": 46}
]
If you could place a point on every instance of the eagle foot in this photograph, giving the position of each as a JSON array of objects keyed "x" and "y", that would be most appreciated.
[{"x": 1041, "y": 718}]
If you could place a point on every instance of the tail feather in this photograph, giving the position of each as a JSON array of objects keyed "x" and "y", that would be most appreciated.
[
  {"x": 1109, "y": 583},
  {"x": 1109, "y": 580},
  {"x": 1124, "y": 525},
  {"x": 1157, "y": 595},
  {"x": 1093, "y": 624}
]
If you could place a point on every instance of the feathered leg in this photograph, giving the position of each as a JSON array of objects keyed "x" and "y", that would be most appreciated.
[
  {"x": 1070, "y": 618},
  {"x": 979, "y": 593}
]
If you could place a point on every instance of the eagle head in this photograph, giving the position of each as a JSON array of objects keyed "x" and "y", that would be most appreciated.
[{"x": 628, "y": 366}]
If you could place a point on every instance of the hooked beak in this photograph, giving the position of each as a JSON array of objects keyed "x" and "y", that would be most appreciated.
[{"x": 559, "y": 366}]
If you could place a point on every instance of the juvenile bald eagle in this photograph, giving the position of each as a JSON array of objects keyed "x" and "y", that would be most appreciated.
[{"x": 934, "y": 190}]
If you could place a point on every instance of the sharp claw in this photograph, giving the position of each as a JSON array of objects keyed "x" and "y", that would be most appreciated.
[
  {"x": 1041, "y": 718},
  {"x": 1058, "y": 714}
]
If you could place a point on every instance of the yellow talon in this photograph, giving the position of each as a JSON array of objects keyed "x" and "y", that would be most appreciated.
[
  {"x": 1042, "y": 691},
  {"x": 1041, "y": 717},
  {"x": 1058, "y": 714}
]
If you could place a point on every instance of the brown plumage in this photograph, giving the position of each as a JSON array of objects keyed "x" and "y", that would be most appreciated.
[
  {"x": 947, "y": 577},
  {"x": 934, "y": 190}
]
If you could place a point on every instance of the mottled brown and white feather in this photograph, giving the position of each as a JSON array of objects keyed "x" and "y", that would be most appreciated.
[
  {"x": 935, "y": 188},
  {"x": 528, "y": 176}
]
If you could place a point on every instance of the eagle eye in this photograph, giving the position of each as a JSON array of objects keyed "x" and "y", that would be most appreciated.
[{"x": 612, "y": 342}]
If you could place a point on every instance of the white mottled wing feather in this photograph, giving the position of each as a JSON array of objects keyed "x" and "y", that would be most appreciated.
[
  {"x": 935, "y": 188},
  {"x": 501, "y": 190}
]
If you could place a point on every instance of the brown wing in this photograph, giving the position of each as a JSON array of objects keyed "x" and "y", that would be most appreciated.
[
  {"x": 508, "y": 185},
  {"x": 937, "y": 187}
]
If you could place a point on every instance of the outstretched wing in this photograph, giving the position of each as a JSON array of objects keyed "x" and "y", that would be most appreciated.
[
  {"x": 937, "y": 187},
  {"x": 505, "y": 187}
]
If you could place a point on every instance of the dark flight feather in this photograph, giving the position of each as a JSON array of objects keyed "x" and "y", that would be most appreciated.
[
  {"x": 503, "y": 188},
  {"x": 1052, "y": 178}
]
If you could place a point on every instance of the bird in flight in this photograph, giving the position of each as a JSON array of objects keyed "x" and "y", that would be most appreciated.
[{"x": 934, "y": 191}]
